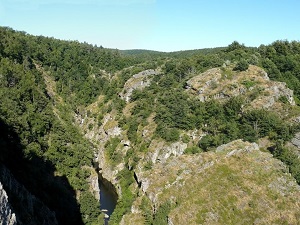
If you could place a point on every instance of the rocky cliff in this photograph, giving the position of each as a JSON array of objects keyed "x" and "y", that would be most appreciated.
[
  {"x": 7, "y": 217},
  {"x": 236, "y": 184},
  {"x": 223, "y": 83},
  {"x": 228, "y": 181},
  {"x": 27, "y": 208},
  {"x": 137, "y": 82}
]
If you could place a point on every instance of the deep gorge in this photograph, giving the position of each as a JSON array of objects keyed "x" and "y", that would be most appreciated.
[
  {"x": 108, "y": 196},
  {"x": 84, "y": 129},
  {"x": 107, "y": 192}
]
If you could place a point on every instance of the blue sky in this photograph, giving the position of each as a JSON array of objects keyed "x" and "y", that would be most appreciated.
[{"x": 164, "y": 25}]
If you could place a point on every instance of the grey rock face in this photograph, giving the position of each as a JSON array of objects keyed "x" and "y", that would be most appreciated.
[
  {"x": 238, "y": 146},
  {"x": 28, "y": 210},
  {"x": 174, "y": 149},
  {"x": 280, "y": 89},
  {"x": 296, "y": 140},
  {"x": 137, "y": 82},
  {"x": 145, "y": 73},
  {"x": 297, "y": 119},
  {"x": 7, "y": 217},
  {"x": 163, "y": 152}
]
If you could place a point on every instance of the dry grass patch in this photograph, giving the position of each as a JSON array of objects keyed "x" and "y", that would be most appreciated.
[{"x": 233, "y": 186}]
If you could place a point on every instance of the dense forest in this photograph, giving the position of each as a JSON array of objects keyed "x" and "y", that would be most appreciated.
[
  {"x": 45, "y": 81},
  {"x": 47, "y": 135}
]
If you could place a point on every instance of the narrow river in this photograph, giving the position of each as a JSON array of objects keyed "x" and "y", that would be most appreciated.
[{"x": 108, "y": 199}]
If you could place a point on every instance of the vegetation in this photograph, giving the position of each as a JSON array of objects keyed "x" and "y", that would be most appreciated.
[
  {"x": 242, "y": 65},
  {"x": 44, "y": 125},
  {"x": 289, "y": 157},
  {"x": 125, "y": 178},
  {"x": 47, "y": 84}
]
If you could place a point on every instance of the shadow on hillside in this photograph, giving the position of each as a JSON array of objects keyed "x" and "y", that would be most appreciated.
[{"x": 37, "y": 176}]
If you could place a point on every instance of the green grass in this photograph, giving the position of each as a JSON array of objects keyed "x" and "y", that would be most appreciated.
[{"x": 249, "y": 83}]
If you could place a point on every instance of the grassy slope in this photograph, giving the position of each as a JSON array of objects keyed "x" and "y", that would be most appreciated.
[{"x": 234, "y": 186}]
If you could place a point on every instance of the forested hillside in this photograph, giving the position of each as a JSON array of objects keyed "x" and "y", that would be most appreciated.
[
  {"x": 52, "y": 160},
  {"x": 69, "y": 110}
]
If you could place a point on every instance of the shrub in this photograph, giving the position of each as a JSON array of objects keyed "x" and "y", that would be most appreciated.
[
  {"x": 169, "y": 134},
  {"x": 161, "y": 215},
  {"x": 185, "y": 138},
  {"x": 192, "y": 150},
  {"x": 242, "y": 65}
]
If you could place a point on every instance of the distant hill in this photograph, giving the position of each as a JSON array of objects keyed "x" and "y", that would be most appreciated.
[
  {"x": 183, "y": 53},
  {"x": 140, "y": 52}
]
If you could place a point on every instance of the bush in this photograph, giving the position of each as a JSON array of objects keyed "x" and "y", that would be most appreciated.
[
  {"x": 248, "y": 83},
  {"x": 192, "y": 150},
  {"x": 87, "y": 207},
  {"x": 185, "y": 138},
  {"x": 283, "y": 99},
  {"x": 123, "y": 206},
  {"x": 289, "y": 157},
  {"x": 210, "y": 141},
  {"x": 242, "y": 65},
  {"x": 169, "y": 134}
]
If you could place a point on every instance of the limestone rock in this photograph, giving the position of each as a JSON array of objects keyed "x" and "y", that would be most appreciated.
[
  {"x": 174, "y": 149},
  {"x": 99, "y": 135},
  {"x": 94, "y": 185},
  {"x": 297, "y": 119},
  {"x": 170, "y": 221},
  {"x": 113, "y": 132},
  {"x": 283, "y": 186}
]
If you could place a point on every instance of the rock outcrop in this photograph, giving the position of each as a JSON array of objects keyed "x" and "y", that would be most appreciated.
[
  {"x": 237, "y": 146},
  {"x": 254, "y": 84},
  {"x": 236, "y": 184},
  {"x": 28, "y": 209},
  {"x": 7, "y": 217},
  {"x": 137, "y": 82},
  {"x": 99, "y": 134},
  {"x": 163, "y": 151},
  {"x": 296, "y": 140}
]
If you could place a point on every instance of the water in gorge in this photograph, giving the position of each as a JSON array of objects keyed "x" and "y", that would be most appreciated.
[{"x": 108, "y": 197}]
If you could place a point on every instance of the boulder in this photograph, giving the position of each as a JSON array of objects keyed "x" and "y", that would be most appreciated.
[{"x": 296, "y": 140}]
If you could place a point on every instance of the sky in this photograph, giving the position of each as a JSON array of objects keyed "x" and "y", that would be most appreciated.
[{"x": 162, "y": 25}]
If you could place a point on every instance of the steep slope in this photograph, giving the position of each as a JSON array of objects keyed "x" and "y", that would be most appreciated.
[
  {"x": 39, "y": 145},
  {"x": 236, "y": 184},
  {"x": 120, "y": 155},
  {"x": 28, "y": 209}
]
